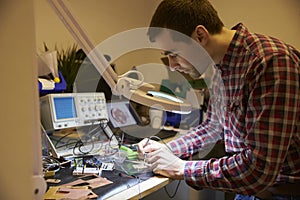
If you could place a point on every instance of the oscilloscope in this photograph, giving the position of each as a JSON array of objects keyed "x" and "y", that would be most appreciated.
[{"x": 67, "y": 110}]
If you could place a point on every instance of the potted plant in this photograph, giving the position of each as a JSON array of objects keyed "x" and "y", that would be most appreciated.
[{"x": 69, "y": 61}]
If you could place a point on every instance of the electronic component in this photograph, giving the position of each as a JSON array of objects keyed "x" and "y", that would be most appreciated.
[{"x": 67, "y": 110}]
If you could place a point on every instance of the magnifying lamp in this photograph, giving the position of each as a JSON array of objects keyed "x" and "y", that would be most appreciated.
[{"x": 119, "y": 85}]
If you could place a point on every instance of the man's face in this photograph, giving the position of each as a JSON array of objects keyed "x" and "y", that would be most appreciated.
[
  {"x": 177, "y": 52},
  {"x": 178, "y": 63}
]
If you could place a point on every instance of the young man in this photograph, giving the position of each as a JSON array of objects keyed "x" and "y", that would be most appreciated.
[{"x": 260, "y": 125}]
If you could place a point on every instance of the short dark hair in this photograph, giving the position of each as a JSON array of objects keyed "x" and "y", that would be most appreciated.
[{"x": 183, "y": 16}]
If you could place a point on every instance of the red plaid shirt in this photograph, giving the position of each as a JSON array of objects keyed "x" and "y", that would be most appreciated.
[{"x": 258, "y": 118}]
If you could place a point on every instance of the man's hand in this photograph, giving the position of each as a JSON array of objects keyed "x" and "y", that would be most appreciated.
[
  {"x": 146, "y": 146},
  {"x": 162, "y": 160}
]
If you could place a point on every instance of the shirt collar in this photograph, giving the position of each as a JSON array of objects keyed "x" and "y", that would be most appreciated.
[{"x": 234, "y": 47}]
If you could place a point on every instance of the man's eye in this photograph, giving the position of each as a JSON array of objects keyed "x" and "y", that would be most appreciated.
[
  {"x": 173, "y": 55},
  {"x": 170, "y": 54}
]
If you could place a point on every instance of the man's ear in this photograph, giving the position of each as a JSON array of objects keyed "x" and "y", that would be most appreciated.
[{"x": 201, "y": 35}]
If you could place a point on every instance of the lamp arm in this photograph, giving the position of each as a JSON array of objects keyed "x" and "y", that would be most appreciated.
[
  {"x": 95, "y": 56},
  {"x": 119, "y": 86}
]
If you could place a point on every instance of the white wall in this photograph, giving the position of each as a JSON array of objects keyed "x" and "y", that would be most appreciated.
[
  {"x": 278, "y": 18},
  {"x": 104, "y": 18},
  {"x": 101, "y": 19}
]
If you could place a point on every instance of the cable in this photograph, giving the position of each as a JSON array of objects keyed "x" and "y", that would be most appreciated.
[
  {"x": 179, "y": 181},
  {"x": 175, "y": 192},
  {"x": 102, "y": 123},
  {"x": 134, "y": 82},
  {"x": 62, "y": 137},
  {"x": 158, "y": 138},
  {"x": 69, "y": 144},
  {"x": 50, "y": 164},
  {"x": 87, "y": 139},
  {"x": 122, "y": 138},
  {"x": 77, "y": 145},
  {"x": 139, "y": 187},
  {"x": 81, "y": 150},
  {"x": 112, "y": 135},
  {"x": 91, "y": 132}
]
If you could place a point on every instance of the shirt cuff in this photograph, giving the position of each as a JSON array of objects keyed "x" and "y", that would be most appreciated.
[{"x": 194, "y": 174}]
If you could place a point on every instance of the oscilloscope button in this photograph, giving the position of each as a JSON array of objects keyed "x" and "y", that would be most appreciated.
[{"x": 97, "y": 108}]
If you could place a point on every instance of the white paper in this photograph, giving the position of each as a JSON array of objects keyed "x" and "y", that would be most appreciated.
[
  {"x": 47, "y": 63},
  {"x": 47, "y": 84}
]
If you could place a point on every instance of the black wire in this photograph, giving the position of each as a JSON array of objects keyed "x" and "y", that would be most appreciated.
[
  {"x": 68, "y": 145},
  {"x": 179, "y": 181},
  {"x": 139, "y": 187},
  {"x": 175, "y": 192},
  {"x": 62, "y": 138},
  {"x": 105, "y": 122},
  {"x": 78, "y": 145},
  {"x": 91, "y": 131},
  {"x": 102, "y": 123},
  {"x": 87, "y": 152},
  {"x": 110, "y": 140},
  {"x": 50, "y": 163},
  {"x": 71, "y": 142},
  {"x": 158, "y": 138}
]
